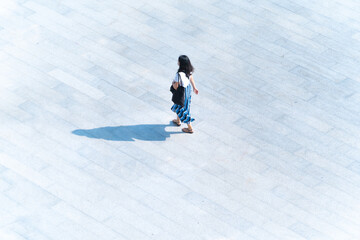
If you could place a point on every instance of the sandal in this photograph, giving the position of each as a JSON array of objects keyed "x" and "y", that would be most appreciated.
[
  {"x": 176, "y": 122},
  {"x": 187, "y": 130}
]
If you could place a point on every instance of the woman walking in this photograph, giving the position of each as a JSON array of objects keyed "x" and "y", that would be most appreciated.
[{"x": 184, "y": 78}]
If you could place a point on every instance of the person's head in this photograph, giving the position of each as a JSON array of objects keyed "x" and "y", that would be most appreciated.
[{"x": 185, "y": 65}]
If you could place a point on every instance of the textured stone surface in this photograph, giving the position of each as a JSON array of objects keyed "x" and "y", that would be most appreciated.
[{"x": 87, "y": 149}]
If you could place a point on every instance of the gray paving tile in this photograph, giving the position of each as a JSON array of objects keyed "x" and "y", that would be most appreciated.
[
  {"x": 218, "y": 211},
  {"x": 355, "y": 166},
  {"x": 306, "y": 231}
]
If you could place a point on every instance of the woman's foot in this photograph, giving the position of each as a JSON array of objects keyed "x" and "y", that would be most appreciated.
[
  {"x": 187, "y": 130},
  {"x": 177, "y": 122}
]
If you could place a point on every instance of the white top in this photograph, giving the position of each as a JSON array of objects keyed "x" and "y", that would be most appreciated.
[{"x": 185, "y": 81}]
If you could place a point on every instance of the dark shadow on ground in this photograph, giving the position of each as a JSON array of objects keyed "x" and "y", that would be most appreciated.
[{"x": 145, "y": 132}]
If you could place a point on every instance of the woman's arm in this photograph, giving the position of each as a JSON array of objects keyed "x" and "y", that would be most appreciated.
[
  {"x": 196, "y": 91},
  {"x": 175, "y": 85},
  {"x": 176, "y": 80}
]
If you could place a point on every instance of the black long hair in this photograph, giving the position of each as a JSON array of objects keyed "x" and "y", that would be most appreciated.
[{"x": 185, "y": 65}]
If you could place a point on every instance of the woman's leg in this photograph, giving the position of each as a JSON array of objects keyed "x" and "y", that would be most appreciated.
[{"x": 177, "y": 120}]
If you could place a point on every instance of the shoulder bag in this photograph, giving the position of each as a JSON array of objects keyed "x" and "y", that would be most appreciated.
[{"x": 178, "y": 96}]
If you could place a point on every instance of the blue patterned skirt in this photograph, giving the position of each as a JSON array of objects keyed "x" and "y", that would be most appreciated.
[{"x": 184, "y": 112}]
